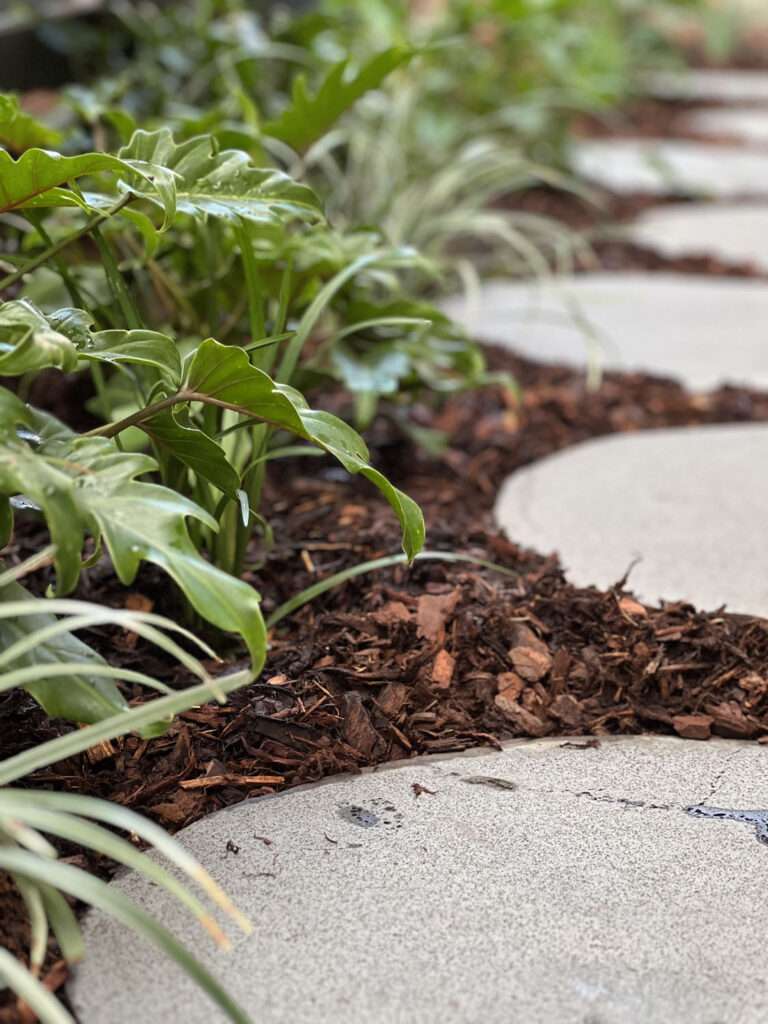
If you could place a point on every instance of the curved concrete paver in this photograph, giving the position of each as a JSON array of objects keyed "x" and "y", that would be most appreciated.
[
  {"x": 586, "y": 894},
  {"x": 700, "y": 330},
  {"x": 688, "y": 504},
  {"x": 727, "y": 86},
  {"x": 734, "y": 233},
  {"x": 745, "y": 124},
  {"x": 671, "y": 167}
]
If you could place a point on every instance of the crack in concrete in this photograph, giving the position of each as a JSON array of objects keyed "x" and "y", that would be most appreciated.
[
  {"x": 622, "y": 800},
  {"x": 720, "y": 775}
]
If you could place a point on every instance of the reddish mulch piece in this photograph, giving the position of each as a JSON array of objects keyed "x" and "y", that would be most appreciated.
[{"x": 437, "y": 658}]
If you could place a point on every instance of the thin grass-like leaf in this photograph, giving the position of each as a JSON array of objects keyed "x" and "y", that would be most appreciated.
[
  {"x": 85, "y": 833},
  {"x": 310, "y": 593},
  {"x": 111, "y": 901},
  {"x": 37, "y": 997},
  {"x": 123, "y": 818}
]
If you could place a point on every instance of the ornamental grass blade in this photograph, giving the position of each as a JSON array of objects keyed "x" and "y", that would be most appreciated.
[
  {"x": 111, "y": 901},
  {"x": 37, "y": 997},
  {"x": 74, "y": 692},
  {"x": 85, "y": 833},
  {"x": 133, "y": 720},
  {"x": 129, "y": 821}
]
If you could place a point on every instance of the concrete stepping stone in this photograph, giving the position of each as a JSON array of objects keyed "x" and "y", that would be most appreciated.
[
  {"x": 724, "y": 85},
  {"x": 745, "y": 124},
  {"x": 546, "y": 882},
  {"x": 688, "y": 506},
  {"x": 735, "y": 233},
  {"x": 701, "y": 330},
  {"x": 671, "y": 167}
]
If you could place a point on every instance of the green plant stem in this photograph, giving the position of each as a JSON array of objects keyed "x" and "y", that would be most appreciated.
[
  {"x": 61, "y": 267},
  {"x": 253, "y": 285},
  {"x": 56, "y": 248},
  {"x": 117, "y": 284},
  {"x": 138, "y": 417}
]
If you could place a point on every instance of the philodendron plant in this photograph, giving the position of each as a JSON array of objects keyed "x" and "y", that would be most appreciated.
[
  {"x": 212, "y": 417},
  {"x": 172, "y": 476}
]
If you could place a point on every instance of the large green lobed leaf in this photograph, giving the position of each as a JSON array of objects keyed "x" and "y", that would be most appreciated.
[
  {"x": 309, "y": 117},
  {"x": 224, "y": 374},
  {"x": 36, "y": 177},
  {"x": 209, "y": 182},
  {"x": 88, "y": 485}
]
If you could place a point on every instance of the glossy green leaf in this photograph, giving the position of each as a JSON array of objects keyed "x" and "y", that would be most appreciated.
[
  {"x": 207, "y": 182},
  {"x": 88, "y": 484},
  {"x": 29, "y": 341},
  {"x": 379, "y": 369},
  {"x": 30, "y": 179},
  {"x": 224, "y": 373},
  {"x": 309, "y": 116},
  {"x": 195, "y": 449},
  {"x": 140, "y": 347}
]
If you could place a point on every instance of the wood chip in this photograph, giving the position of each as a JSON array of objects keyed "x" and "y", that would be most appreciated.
[
  {"x": 510, "y": 684},
  {"x": 231, "y": 779},
  {"x": 432, "y": 612},
  {"x": 359, "y": 732},
  {"x": 529, "y": 655},
  {"x": 528, "y": 723},
  {"x": 442, "y": 669},
  {"x": 632, "y": 608},
  {"x": 693, "y": 727}
]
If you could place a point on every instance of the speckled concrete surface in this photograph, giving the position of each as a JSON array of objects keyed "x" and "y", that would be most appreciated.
[
  {"x": 701, "y": 330},
  {"x": 586, "y": 895},
  {"x": 685, "y": 508}
]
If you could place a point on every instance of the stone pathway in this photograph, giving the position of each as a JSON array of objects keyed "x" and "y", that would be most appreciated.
[
  {"x": 686, "y": 505},
  {"x": 721, "y": 86},
  {"x": 733, "y": 232},
  {"x": 553, "y": 882},
  {"x": 699, "y": 329},
  {"x": 742, "y": 124},
  {"x": 548, "y": 884},
  {"x": 672, "y": 167}
]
